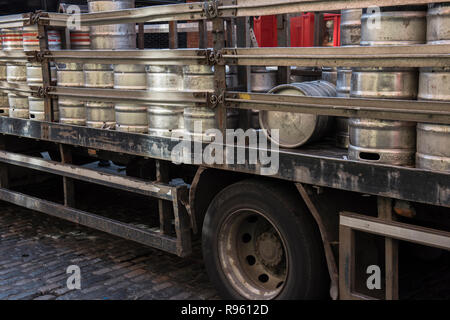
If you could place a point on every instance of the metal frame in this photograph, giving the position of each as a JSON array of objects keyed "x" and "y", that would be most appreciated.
[{"x": 309, "y": 166}]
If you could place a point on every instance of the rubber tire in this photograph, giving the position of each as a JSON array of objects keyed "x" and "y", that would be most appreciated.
[{"x": 307, "y": 275}]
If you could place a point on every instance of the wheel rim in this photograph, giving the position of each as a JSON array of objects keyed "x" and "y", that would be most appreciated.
[{"x": 253, "y": 255}]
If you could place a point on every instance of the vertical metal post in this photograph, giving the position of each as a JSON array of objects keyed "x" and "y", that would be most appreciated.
[
  {"x": 68, "y": 183},
  {"x": 318, "y": 29},
  {"x": 165, "y": 210},
  {"x": 391, "y": 251},
  {"x": 202, "y": 34},
  {"x": 173, "y": 35},
  {"x": 46, "y": 77},
  {"x": 141, "y": 36},
  {"x": 346, "y": 262},
  {"x": 219, "y": 73},
  {"x": 284, "y": 40}
]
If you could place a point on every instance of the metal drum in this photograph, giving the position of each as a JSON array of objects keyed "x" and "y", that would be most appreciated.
[
  {"x": 343, "y": 85},
  {"x": 71, "y": 111},
  {"x": 382, "y": 141},
  {"x": 130, "y": 117},
  {"x": 198, "y": 78},
  {"x": 433, "y": 150},
  {"x": 329, "y": 74},
  {"x": 164, "y": 120},
  {"x": 433, "y": 140},
  {"x": 99, "y": 114},
  {"x": 164, "y": 78},
  {"x": 118, "y": 36},
  {"x": 196, "y": 116},
  {"x": 351, "y": 27},
  {"x": 31, "y": 39},
  {"x": 297, "y": 129},
  {"x": 397, "y": 27},
  {"x": 262, "y": 79},
  {"x": 438, "y": 23},
  {"x": 16, "y": 72},
  {"x": 80, "y": 39}
]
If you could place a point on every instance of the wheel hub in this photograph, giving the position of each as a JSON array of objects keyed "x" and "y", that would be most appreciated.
[{"x": 269, "y": 249}]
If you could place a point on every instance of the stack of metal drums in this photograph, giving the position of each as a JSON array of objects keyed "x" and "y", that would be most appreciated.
[
  {"x": 350, "y": 36},
  {"x": 70, "y": 74},
  {"x": 262, "y": 80},
  {"x": 120, "y": 36},
  {"x": 433, "y": 140},
  {"x": 34, "y": 69},
  {"x": 297, "y": 129},
  {"x": 382, "y": 141},
  {"x": 197, "y": 120},
  {"x": 16, "y": 73},
  {"x": 165, "y": 119}
]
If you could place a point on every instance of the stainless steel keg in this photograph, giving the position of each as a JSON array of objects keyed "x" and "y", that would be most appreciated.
[
  {"x": 351, "y": 27},
  {"x": 395, "y": 28},
  {"x": 197, "y": 120},
  {"x": 329, "y": 74},
  {"x": 198, "y": 78},
  {"x": 438, "y": 23},
  {"x": 382, "y": 141},
  {"x": 433, "y": 152},
  {"x": 297, "y": 129},
  {"x": 80, "y": 39},
  {"x": 130, "y": 117},
  {"x": 343, "y": 85},
  {"x": 118, "y": 36},
  {"x": 99, "y": 114},
  {"x": 262, "y": 79},
  {"x": 165, "y": 120},
  {"x": 433, "y": 140},
  {"x": 71, "y": 111},
  {"x": 164, "y": 78},
  {"x": 384, "y": 83}
]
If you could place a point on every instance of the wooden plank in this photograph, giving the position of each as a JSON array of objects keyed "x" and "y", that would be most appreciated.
[{"x": 164, "y": 207}]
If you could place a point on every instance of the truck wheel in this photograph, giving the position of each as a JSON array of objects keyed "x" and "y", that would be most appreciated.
[{"x": 260, "y": 242}]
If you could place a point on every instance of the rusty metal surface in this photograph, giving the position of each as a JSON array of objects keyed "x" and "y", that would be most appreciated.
[{"x": 320, "y": 164}]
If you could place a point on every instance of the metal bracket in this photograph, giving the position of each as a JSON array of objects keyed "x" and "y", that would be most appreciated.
[
  {"x": 213, "y": 100},
  {"x": 211, "y": 9},
  {"x": 215, "y": 57}
]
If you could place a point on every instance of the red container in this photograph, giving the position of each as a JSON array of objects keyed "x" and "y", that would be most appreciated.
[
  {"x": 302, "y": 30},
  {"x": 334, "y": 34},
  {"x": 265, "y": 28}
]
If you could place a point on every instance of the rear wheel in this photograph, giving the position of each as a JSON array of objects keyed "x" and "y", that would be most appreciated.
[{"x": 259, "y": 242}]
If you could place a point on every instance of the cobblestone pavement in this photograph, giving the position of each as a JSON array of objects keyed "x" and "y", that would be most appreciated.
[{"x": 35, "y": 251}]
